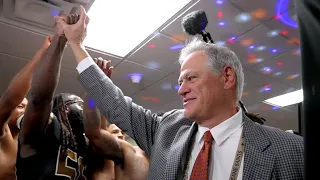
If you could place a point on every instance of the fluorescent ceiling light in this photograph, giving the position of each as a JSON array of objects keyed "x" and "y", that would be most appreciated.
[
  {"x": 286, "y": 99},
  {"x": 118, "y": 26}
]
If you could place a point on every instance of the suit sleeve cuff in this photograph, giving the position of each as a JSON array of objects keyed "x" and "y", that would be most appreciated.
[{"x": 85, "y": 64}]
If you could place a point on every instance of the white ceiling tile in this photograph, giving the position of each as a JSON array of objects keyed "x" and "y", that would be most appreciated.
[
  {"x": 159, "y": 93},
  {"x": 285, "y": 68},
  {"x": 19, "y": 42},
  {"x": 161, "y": 52},
  {"x": 124, "y": 69},
  {"x": 263, "y": 47}
]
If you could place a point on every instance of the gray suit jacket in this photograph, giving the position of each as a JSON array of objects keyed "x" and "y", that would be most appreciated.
[{"x": 270, "y": 153}]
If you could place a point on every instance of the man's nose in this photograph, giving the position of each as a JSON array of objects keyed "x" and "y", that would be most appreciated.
[{"x": 183, "y": 90}]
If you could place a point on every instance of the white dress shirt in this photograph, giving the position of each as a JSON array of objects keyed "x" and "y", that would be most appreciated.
[
  {"x": 85, "y": 64},
  {"x": 226, "y": 139},
  {"x": 225, "y": 144}
]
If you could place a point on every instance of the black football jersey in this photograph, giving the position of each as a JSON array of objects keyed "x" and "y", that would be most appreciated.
[{"x": 47, "y": 163}]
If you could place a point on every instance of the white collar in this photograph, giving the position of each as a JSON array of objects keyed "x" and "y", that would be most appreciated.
[{"x": 222, "y": 131}]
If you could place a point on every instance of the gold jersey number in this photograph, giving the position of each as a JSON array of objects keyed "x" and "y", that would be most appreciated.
[{"x": 71, "y": 167}]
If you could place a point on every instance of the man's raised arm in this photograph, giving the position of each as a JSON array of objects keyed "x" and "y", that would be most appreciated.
[
  {"x": 100, "y": 138},
  {"x": 140, "y": 124},
  {"x": 43, "y": 87},
  {"x": 20, "y": 86}
]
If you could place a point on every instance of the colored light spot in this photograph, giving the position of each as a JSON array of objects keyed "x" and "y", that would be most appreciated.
[
  {"x": 251, "y": 47},
  {"x": 176, "y": 47},
  {"x": 243, "y": 17},
  {"x": 277, "y": 73},
  {"x": 219, "y": 2},
  {"x": 297, "y": 52},
  {"x": 280, "y": 63},
  {"x": 151, "y": 46},
  {"x": 221, "y": 43},
  {"x": 245, "y": 94},
  {"x": 54, "y": 12},
  {"x": 284, "y": 32},
  {"x": 259, "y": 13},
  {"x": 166, "y": 86},
  {"x": 153, "y": 65},
  {"x": 91, "y": 103},
  {"x": 266, "y": 88},
  {"x": 220, "y": 14},
  {"x": 277, "y": 16},
  {"x": 259, "y": 60},
  {"x": 273, "y": 33},
  {"x": 149, "y": 98},
  {"x": 261, "y": 48},
  {"x": 251, "y": 56},
  {"x": 135, "y": 77},
  {"x": 252, "y": 61},
  {"x": 293, "y": 41},
  {"x": 266, "y": 70},
  {"x": 221, "y": 23},
  {"x": 180, "y": 37},
  {"x": 176, "y": 87},
  {"x": 246, "y": 42},
  {"x": 293, "y": 76},
  {"x": 274, "y": 50}
]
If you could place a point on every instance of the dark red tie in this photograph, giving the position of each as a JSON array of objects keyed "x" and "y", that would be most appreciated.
[{"x": 201, "y": 166}]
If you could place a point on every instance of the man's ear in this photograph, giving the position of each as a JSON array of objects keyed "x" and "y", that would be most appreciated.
[{"x": 229, "y": 77}]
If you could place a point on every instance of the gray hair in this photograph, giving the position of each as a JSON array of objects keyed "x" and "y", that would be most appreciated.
[{"x": 219, "y": 57}]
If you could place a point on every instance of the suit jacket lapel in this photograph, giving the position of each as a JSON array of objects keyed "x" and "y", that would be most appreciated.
[
  {"x": 179, "y": 150},
  {"x": 258, "y": 158}
]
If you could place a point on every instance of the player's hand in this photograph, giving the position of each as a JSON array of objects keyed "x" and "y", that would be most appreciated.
[
  {"x": 46, "y": 42},
  {"x": 105, "y": 66},
  {"x": 69, "y": 20},
  {"x": 74, "y": 32}
]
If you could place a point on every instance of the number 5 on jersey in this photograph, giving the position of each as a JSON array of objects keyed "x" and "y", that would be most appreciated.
[{"x": 71, "y": 166}]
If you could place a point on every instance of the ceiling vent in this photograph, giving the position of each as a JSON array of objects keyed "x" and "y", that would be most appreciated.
[{"x": 39, "y": 13}]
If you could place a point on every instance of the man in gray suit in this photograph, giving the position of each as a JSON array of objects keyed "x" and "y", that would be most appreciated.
[{"x": 211, "y": 138}]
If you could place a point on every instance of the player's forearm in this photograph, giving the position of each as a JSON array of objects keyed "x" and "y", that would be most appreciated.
[
  {"x": 108, "y": 145},
  {"x": 46, "y": 78},
  {"x": 104, "y": 142},
  {"x": 101, "y": 139},
  {"x": 18, "y": 88},
  {"x": 91, "y": 122},
  {"x": 92, "y": 118}
]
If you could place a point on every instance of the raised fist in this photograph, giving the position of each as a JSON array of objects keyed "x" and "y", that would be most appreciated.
[
  {"x": 46, "y": 42},
  {"x": 75, "y": 32},
  {"x": 70, "y": 20}
]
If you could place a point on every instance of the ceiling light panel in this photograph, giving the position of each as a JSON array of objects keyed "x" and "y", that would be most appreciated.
[{"x": 117, "y": 27}]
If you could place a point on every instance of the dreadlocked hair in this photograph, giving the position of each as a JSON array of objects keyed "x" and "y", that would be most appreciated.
[
  {"x": 256, "y": 118},
  {"x": 253, "y": 116},
  {"x": 68, "y": 139}
]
